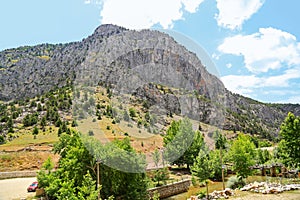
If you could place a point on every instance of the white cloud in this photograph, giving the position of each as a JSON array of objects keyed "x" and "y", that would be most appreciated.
[
  {"x": 293, "y": 99},
  {"x": 233, "y": 13},
  {"x": 243, "y": 85},
  {"x": 139, "y": 14},
  {"x": 247, "y": 84},
  {"x": 87, "y": 1},
  {"x": 269, "y": 49}
]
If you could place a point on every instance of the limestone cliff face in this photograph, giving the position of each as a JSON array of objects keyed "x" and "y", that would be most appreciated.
[{"x": 134, "y": 62}]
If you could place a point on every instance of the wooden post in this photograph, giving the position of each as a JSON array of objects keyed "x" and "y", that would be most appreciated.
[
  {"x": 263, "y": 171},
  {"x": 273, "y": 171},
  {"x": 98, "y": 177},
  {"x": 207, "y": 195}
]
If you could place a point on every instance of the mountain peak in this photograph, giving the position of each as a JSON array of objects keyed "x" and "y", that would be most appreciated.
[{"x": 107, "y": 30}]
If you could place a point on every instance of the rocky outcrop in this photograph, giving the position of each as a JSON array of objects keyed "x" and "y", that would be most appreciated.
[{"x": 134, "y": 62}]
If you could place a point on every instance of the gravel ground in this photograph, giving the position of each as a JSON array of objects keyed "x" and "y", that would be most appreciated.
[
  {"x": 15, "y": 188},
  {"x": 292, "y": 195}
]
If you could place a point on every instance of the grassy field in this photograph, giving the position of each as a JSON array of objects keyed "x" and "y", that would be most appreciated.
[
  {"x": 27, "y": 152},
  {"x": 25, "y": 138}
]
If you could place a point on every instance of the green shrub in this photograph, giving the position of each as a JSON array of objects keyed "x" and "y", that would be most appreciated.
[
  {"x": 91, "y": 133},
  {"x": 235, "y": 182},
  {"x": 2, "y": 139}
]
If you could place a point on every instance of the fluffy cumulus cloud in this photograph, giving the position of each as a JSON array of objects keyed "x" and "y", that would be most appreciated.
[
  {"x": 247, "y": 84},
  {"x": 268, "y": 49},
  {"x": 139, "y": 14},
  {"x": 233, "y": 13},
  {"x": 272, "y": 58}
]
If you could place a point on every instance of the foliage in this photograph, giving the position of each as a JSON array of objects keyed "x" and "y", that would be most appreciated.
[
  {"x": 30, "y": 120},
  {"x": 182, "y": 143},
  {"x": 155, "y": 196},
  {"x": 91, "y": 133},
  {"x": 2, "y": 139},
  {"x": 289, "y": 147},
  {"x": 235, "y": 182},
  {"x": 220, "y": 140},
  {"x": 132, "y": 112},
  {"x": 117, "y": 178},
  {"x": 72, "y": 177},
  {"x": 263, "y": 156},
  {"x": 202, "y": 168},
  {"x": 242, "y": 154},
  {"x": 156, "y": 157},
  {"x": 160, "y": 175},
  {"x": 215, "y": 164},
  {"x": 35, "y": 131}
]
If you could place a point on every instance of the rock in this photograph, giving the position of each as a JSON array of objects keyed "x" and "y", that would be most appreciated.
[{"x": 111, "y": 51}]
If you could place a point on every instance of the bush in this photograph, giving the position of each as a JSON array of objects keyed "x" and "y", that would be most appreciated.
[
  {"x": 91, "y": 133},
  {"x": 235, "y": 182},
  {"x": 2, "y": 139},
  {"x": 35, "y": 131},
  {"x": 132, "y": 112}
]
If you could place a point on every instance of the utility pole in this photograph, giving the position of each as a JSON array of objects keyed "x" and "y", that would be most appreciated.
[{"x": 98, "y": 161}]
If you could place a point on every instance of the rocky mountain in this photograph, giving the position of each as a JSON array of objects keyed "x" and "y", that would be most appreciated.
[{"x": 148, "y": 64}]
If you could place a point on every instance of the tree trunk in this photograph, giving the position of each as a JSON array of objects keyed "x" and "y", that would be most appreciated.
[{"x": 206, "y": 183}]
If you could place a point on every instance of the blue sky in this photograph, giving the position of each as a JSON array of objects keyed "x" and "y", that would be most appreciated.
[{"x": 255, "y": 44}]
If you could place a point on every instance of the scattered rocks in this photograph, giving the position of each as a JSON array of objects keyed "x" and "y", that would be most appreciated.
[
  {"x": 269, "y": 188},
  {"x": 224, "y": 194}
]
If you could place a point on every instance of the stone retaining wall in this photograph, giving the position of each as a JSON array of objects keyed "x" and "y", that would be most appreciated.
[
  {"x": 17, "y": 174},
  {"x": 171, "y": 189}
]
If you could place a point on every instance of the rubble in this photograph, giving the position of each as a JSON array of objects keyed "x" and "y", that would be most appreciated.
[
  {"x": 224, "y": 194},
  {"x": 269, "y": 188}
]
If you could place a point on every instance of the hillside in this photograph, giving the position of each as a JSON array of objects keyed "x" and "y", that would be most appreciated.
[{"x": 147, "y": 65}]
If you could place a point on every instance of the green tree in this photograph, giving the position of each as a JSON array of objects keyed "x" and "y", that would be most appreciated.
[
  {"x": 30, "y": 120},
  {"x": 220, "y": 140},
  {"x": 43, "y": 122},
  {"x": 74, "y": 123},
  {"x": 156, "y": 157},
  {"x": 35, "y": 131},
  {"x": 289, "y": 147},
  {"x": 9, "y": 123},
  {"x": 72, "y": 177},
  {"x": 116, "y": 181},
  {"x": 215, "y": 164},
  {"x": 242, "y": 155},
  {"x": 132, "y": 112},
  {"x": 75, "y": 176},
  {"x": 182, "y": 143},
  {"x": 202, "y": 169},
  {"x": 2, "y": 139},
  {"x": 39, "y": 107},
  {"x": 160, "y": 175}
]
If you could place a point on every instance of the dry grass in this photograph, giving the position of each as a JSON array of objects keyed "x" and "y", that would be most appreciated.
[
  {"x": 27, "y": 153},
  {"x": 18, "y": 161}
]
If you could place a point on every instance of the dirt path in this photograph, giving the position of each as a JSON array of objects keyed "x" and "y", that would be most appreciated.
[
  {"x": 15, "y": 188},
  {"x": 292, "y": 195}
]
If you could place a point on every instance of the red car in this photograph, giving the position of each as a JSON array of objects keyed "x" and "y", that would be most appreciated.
[{"x": 32, "y": 187}]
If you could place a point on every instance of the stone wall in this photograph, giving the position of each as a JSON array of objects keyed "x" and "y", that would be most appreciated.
[
  {"x": 171, "y": 189},
  {"x": 17, "y": 174}
]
